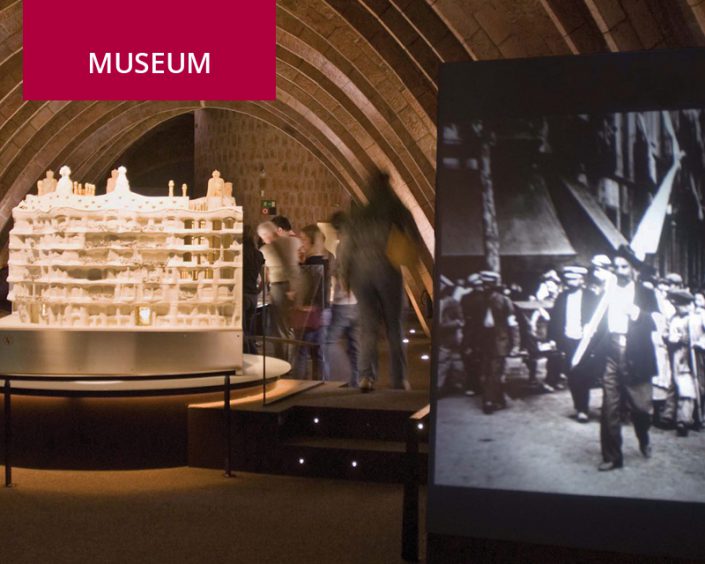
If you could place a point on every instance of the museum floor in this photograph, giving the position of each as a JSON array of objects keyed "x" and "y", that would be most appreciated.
[{"x": 195, "y": 515}]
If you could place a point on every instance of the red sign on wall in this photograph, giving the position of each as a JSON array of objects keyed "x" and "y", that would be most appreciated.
[{"x": 149, "y": 50}]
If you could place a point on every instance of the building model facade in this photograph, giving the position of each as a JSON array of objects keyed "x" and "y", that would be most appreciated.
[{"x": 123, "y": 260}]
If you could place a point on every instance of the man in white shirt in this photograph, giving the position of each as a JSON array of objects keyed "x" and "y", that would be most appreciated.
[
  {"x": 683, "y": 333},
  {"x": 281, "y": 259},
  {"x": 664, "y": 384}
]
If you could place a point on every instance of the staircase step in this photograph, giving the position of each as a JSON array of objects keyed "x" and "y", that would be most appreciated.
[
  {"x": 372, "y": 461},
  {"x": 339, "y": 443},
  {"x": 344, "y": 423},
  {"x": 328, "y": 427}
]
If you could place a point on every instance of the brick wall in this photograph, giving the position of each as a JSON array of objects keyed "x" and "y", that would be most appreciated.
[
  {"x": 241, "y": 147},
  {"x": 162, "y": 154}
]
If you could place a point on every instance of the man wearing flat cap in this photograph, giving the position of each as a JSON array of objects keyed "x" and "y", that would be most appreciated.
[
  {"x": 549, "y": 287},
  {"x": 498, "y": 337},
  {"x": 674, "y": 280},
  {"x": 471, "y": 305},
  {"x": 664, "y": 391},
  {"x": 449, "y": 338},
  {"x": 666, "y": 402},
  {"x": 600, "y": 270},
  {"x": 571, "y": 311},
  {"x": 682, "y": 337},
  {"x": 624, "y": 338}
]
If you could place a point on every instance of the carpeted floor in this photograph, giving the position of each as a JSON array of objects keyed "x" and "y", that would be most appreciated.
[{"x": 192, "y": 515}]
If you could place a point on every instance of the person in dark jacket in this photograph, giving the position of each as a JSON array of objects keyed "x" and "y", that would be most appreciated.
[
  {"x": 252, "y": 261},
  {"x": 470, "y": 304},
  {"x": 380, "y": 233},
  {"x": 572, "y": 310},
  {"x": 624, "y": 338},
  {"x": 494, "y": 322}
]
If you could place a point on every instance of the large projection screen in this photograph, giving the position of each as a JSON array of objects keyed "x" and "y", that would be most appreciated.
[{"x": 545, "y": 167}]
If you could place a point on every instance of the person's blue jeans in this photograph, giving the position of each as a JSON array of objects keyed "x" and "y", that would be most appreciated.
[
  {"x": 380, "y": 296},
  {"x": 314, "y": 350},
  {"x": 343, "y": 323}
]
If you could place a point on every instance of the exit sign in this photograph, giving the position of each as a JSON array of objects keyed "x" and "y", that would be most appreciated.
[{"x": 269, "y": 207}]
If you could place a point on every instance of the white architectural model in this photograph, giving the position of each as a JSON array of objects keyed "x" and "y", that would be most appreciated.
[{"x": 124, "y": 260}]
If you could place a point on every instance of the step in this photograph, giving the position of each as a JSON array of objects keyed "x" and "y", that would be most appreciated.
[
  {"x": 346, "y": 413},
  {"x": 327, "y": 423},
  {"x": 338, "y": 443},
  {"x": 352, "y": 459},
  {"x": 344, "y": 423}
]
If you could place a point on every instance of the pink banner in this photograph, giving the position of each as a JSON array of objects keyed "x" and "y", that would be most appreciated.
[{"x": 149, "y": 50}]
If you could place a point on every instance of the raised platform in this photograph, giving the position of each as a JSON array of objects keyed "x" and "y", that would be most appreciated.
[
  {"x": 254, "y": 371},
  {"x": 116, "y": 432},
  {"x": 328, "y": 431},
  {"x": 327, "y": 425}
]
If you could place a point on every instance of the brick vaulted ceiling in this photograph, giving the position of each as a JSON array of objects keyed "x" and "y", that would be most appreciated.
[{"x": 356, "y": 86}]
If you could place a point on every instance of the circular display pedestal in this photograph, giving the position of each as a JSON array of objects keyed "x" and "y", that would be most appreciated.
[
  {"x": 124, "y": 361},
  {"x": 250, "y": 376}
]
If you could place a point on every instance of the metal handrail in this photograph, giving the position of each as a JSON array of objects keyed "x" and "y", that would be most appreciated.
[
  {"x": 7, "y": 392},
  {"x": 410, "y": 508}
]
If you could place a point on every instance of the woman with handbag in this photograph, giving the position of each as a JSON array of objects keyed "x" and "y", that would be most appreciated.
[{"x": 311, "y": 303}]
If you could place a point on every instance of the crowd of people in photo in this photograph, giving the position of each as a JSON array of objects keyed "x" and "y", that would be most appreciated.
[
  {"x": 316, "y": 296},
  {"x": 613, "y": 323}
]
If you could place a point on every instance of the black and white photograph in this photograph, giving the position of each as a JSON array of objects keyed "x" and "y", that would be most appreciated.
[{"x": 570, "y": 350}]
